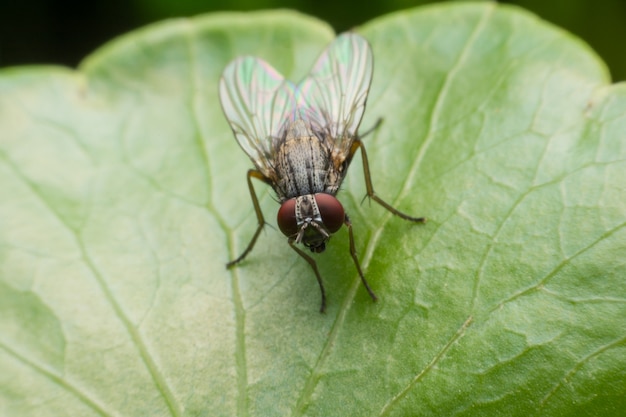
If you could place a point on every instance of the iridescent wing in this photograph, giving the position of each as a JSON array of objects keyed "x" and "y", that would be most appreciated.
[
  {"x": 257, "y": 102},
  {"x": 335, "y": 92}
]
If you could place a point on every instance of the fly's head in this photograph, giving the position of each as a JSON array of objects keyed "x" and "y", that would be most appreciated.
[{"x": 311, "y": 219}]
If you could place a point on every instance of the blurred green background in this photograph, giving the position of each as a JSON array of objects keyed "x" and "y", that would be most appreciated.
[{"x": 64, "y": 31}]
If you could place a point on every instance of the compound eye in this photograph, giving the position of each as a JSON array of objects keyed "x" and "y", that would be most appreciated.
[
  {"x": 331, "y": 211},
  {"x": 287, "y": 218}
]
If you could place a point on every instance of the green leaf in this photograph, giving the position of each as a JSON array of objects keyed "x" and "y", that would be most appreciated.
[{"x": 123, "y": 194}]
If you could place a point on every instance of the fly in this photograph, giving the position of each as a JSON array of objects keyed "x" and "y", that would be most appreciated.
[{"x": 301, "y": 139}]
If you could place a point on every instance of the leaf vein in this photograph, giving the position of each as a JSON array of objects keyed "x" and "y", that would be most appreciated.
[
  {"x": 135, "y": 336},
  {"x": 568, "y": 375},
  {"x": 82, "y": 396},
  {"x": 387, "y": 408}
]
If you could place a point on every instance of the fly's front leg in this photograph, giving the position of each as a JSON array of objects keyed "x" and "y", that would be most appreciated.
[
  {"x": 313, "y": 264},
  {"x": 357, "y": 144},
  {"x": 259, "y": 214},
  {"x": 356, "y": 260}
]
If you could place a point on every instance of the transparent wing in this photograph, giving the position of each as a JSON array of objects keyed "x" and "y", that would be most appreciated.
[
  {"x": 335, "y": 92},
  {"x": 257, "y": 101}
]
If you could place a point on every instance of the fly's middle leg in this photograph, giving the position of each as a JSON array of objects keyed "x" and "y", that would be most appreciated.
[
  {"x": 357, "y": 144},
  {"x": 259, "y": 214}
]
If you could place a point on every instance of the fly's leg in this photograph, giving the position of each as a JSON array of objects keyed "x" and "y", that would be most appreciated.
[
  {"x": 373, "y": 128},
  {"x": 357, "y": 144},
  {"x": 259, "y": 214},
  {"x": 356, "y": 260},
  {"x": 313, "y": 264}
]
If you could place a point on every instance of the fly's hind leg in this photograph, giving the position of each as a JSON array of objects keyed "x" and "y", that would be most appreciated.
[
  {"x": 259, "y": 214},
  {"x": 379, "y": 122},
  {"x": 357, "y": 144}
]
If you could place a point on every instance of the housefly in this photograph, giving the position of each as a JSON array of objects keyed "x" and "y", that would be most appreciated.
[{"x": 301, "y": 139}]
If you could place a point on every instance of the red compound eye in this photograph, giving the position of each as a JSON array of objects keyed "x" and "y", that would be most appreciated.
[
  {"x": 331, "y": 211},
  {"x": 287, "y": 218}
]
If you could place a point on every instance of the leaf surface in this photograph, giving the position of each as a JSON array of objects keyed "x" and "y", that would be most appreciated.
[{"x": 123, "y": 194}]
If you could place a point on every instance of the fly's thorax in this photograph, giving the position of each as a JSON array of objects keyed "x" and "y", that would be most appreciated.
[
  {"x": 302, "y": 161},
  {"x": 311, "y": 219},
  {"x": 334, "y": 177}
]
